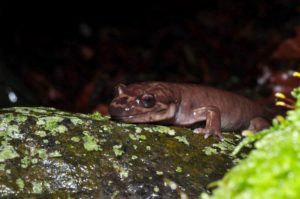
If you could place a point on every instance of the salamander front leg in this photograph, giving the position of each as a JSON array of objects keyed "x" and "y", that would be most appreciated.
[{"x": 212, "y": 116}]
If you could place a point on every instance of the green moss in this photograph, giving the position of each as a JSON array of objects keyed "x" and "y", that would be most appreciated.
[
  {"x": 138, "y": 129},
  {"x": 98, "y": 116},
  {"x": 7, "y": 119},
  {"x": 123, "y": 172},
  {"x": 75, "y": 139},
  {"x": 125, "y": 124},
  {"x": 224, "y": 147},
  {"x": 118, "y": 150},
  {"x": 13, "y": 132},
  {"x": 221, "y": 147},
  {"x": 55, "y": 154},
  {"x": 132, "y": 136},
  {"x": 20, "y": 118},
  {"x": 134, "y": 157},
  {"x": 37, "y": 187},
  {"x": 210, "y": 150},
  {"x": 115, "y": 194},
  {"x": 76, "y": 121},
  {"x": 40, "y": 133},
  {"x": 182, "y": 139},
  {"x": 90, "y": 142},
  {"x": 61, "y": 129},
  {"x": 161, "y": 129},
  {"x": 142, "y": 137},
  {"x": 159, "y": 173},
  {"x": 52, "y": 124},
  {"x": 45, "y": 141},
  {"x": 137, "y": 137},
  {"x": 25, "y": 162},
  {"x": 34, "y": 161},
  {"x": 7, "y": 152},
  {"x": 42, "y": 153},
  {"x": 107, "y": 128},
  {"x": 178, "y": 169},
  {"x": 20, "y": 183},
  {"x": 40, "y": 122},
  {"x": 272, "y": 170}
]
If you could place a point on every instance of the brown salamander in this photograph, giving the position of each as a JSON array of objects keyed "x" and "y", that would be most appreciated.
[{"x": 186, "y": 105}]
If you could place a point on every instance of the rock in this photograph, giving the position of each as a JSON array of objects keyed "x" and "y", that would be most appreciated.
[{"x": 45, "y": 152}]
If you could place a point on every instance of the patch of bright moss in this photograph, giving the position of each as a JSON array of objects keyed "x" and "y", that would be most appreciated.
[
  {"x": 37, "y": 187},
  {"x": 161, "y": 129},
  {"x": 20, "y": 183},
  {"x": 51, "y": 123},
  {"x": 156, "y": 189},
  {"x": 76, "y": 121},
  {"x": 159, "y": 173},
  {"x": 42, "y": 153},
  {"x": 182, "y": 139},
  {"x": 61, "y": 129},
  {"x": 55, "y": 154},
  {"x": 118, "y": 150},
  {"x": 123, "y": 172},
  {"x": 75, "y": 139},
  {"x": 13, "y": 132},
  {"x": 134, "y": 157},
  {"x": 7, "y": 152},
  {"x": 107, "y": 128},
  {"x": 137, "y": 137},
  {"x": 2, "y": 167},
  {"x": 138, "y": 129},
  {"x": 178, "y": 169},
  {"x": 25, "y": 162},
  {"x": 90, "y": 142},
  {"x": 41, "y": 133},
  {"x": 20, "y": 118},
  {"x": 272, "y": 170},
  {"x": 98, "y": 116}
]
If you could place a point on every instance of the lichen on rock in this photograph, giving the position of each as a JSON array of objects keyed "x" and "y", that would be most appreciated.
[{"x": 50, "y": 153}]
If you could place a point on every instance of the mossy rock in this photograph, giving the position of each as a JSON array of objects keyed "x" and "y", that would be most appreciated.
[{"x": 45, "y": 152}]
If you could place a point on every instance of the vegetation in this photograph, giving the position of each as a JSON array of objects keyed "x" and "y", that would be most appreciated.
[{"x": 272, "y": 170}]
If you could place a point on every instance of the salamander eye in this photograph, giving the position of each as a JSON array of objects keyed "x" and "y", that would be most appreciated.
[{"x": 148, "y": 100}]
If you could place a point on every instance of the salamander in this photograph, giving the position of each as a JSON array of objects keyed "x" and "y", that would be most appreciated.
[{"x": 187, "y": 105}]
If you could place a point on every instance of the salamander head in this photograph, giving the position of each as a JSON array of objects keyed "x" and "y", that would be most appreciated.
[{"x": 143, "y": 103}]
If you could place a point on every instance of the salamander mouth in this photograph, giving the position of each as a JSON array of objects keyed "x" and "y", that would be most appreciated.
[{"x": 129, "y": 117}]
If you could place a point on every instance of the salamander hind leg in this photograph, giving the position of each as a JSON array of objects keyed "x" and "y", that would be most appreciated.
[{"x": 258, "y": 124}]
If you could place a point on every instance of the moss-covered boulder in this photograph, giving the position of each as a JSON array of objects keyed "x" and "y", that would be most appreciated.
[{"x": 48, "y": 153}]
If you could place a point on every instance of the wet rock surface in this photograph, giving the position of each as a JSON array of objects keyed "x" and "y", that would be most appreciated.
[{"x": 45, "y": 152}]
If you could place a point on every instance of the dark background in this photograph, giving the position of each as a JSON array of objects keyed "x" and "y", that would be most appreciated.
[{"x": 72, "y": 56}]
